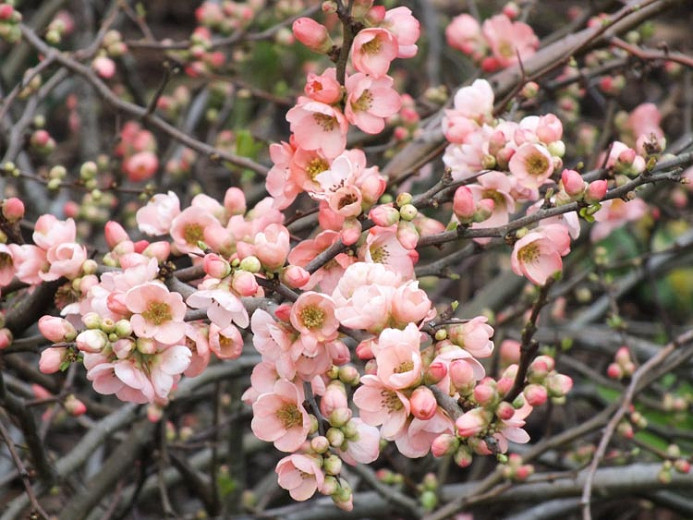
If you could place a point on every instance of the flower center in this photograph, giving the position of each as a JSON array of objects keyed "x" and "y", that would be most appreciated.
[
  {"x": 371, "y": 47},
  {"x": 346, "y": 200},
  {"x": 327, "y": 123},
  {"x": 312, "y": 317},
  {"x": 537, "y": 164},
  {"x": 391, "y": 401},
  {"x": 157, "y": 313},
  {"x": 5, "y": 260},
  {"x": 379, "y": 254},
  {"x": 497, "y": 198},
  {"x": 290, "y": 416},
  {"x": 363, "y": 103},
  {"x": 404, "y": 366},
  {"x": 316, "y": 166},
  {"x": 193, "y": 233},
  {"x": 529, "y": 253},
  {"x": 506, "y": 49}
]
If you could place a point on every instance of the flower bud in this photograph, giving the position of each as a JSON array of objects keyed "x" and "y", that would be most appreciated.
[
  {"x": 244, "y": 283},
  {"x": 294, "y": 276},
  {"x": 13, "y": 209},
  {"x": 559, "y": 385},
  {"x": 463, "y": 204},
  {"x": 215, "y": 266},
  {"x": 351, "y": 231},
  {"x": 408, "y": 212},
  {"x": 444, "y": 444},
  {"x": 312, "y": 34},
  {"x": 423, "y": 403},
  {"x": 52, "y": 359},
  {"x": 251, "y": 264},
  {"x": 505, "y": 411},
  {"x": 92, "y": 341},
  {"x": 115, "y": 234},
  {"x": 463, "y": 457},
  {"x": 335, "y": 436},
  {"x": 74, "y": 406},
  {"x": 435, "y": 372},
  {"x": 339, "y": 417},
  {"x": 484, "y": 210},
  {"x": 572, "y": 183},
  {"x": 56, "y": 330},
  {"x": 536, "y": 395},
  {"x": 407, "y": 235},
  {"x": 332, "y": 465},
  {"x": 319, "y": 444},
  {"x": 461, "y": 373},
  {"x": 384, "y": 215}
]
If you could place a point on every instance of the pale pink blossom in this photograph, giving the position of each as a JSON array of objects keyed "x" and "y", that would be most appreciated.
[
  {"x": 49, "y": 231},
  {"x": 614, "y": 214},
  {"x": 362, "y": 445},
  {"x": 380, "y": 405},
  {"x": 223, "y": 306},
  {"x": 156, "y": 217},
  {"x": 262, "y": 381},
  {"x": 313, "y": 315},
  {"x": 28, "y": 263},
  {"x": 300, "y": 475},
  {"x": 279, "y": 183},
  {"x": 324, "y": 87},
  {"x": 474, "y": 336},
  {"x": 65, "y": 260},
  {"x": 318, "y": 126},
  {"x": 226, "y": 343},
  {"x": 531, "y": 165},
  {"x": 189, "y": 227},
  {"x": 312, "y": 34},
  {"x": 141, "y": 166},
  {"x": 382, "y": 246},
  {"x": 370, "y": 101},
  {"x": 411, "y": 304},
  {"x": 509, "y": 41},
  {"x": 399, "y": 358},
  {"x": 416, "y": 440},
  {"x": 279, "y": 417},
  {"x": 158, "y": 313},
  {"x": 272, "y": 246},
  {"x": 406, "y": 29},
  {"x": 373, "y": 50},
  {"x": 464, "y": 33},
  {"x": 535, "y": 256}
]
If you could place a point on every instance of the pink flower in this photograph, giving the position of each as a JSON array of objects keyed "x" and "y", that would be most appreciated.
[
  {"x": 399, "y": 358},
  {"x": 226, "y": 343},
  {"x": 509, "y": 41},
  {"x": 473, "y": 422},
  {"x": 312, "y": 314},
  {"x": 614, "y": 214},
  {"x": 531, "y": 165},
  {"x": 189, "y": 228},
  {"x": 104, "y": 66},
  {"x": 381, "y": 405},
  {"x": 464, "y": 34},
  {"x": 318, "y": 126},
  {"x": 370, "y": 101},
  {"x": 373, "y": 51},
  {"x": 141, "y": 166},
  {"x": 382, "y": 246},
  {"x": 49, "y": 231},
  {"x": 158, "y": 313},
  {"x": 536, "y": 257},
  {"x": 400, "y": 22},
  {"x": 223, "y": 307},
  {"x": 279, "y": 417},
  {"x": 416, "y": 440},
  {"x": 411, "y": 304},
  {"x": 300, "y": 475},
  {"x": 323, "y": 88},
  {"x": 474, "y": 336},
  {"x": 65, "y": 260},
  {"x": 156, "y": 217},
  {"x": 279, "y": 183},
  {"x": 362, "y": 444},
  {"x": 272, "y": 246},
  {"x": 28, "y": 263},
  {"x": 166, "y": 367}
]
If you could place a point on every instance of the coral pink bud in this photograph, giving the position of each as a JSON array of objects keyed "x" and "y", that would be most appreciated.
[
  {"x": 364, "y": 351},
  {"x": 312, "y": 34},
  {"x": 485, "y": 394},
  {"x": 234, "y": 201},
  {"x": 384, "y": 215},
  {"x": 572, "y": 183},
  {"x": 376, "y": 14},
  {"x": 444, "y": 444},
  {"x": 295, "y": 276},
  {"x": 351, "y": 231},
  {"x": 549, "y": 129},
  {"x": 141, "y": 166},
  {"x": 463, "y": 204},
  {"x": 472, "y": 423},
  {"x": 215, "y": 266},
  {"x": 435, "y": 372},
  {"x": 423, "y": 403},
  {"x": 461, "y": 373},
  {"x": 372, "y": 188},
  {"x": 6, "y": 11},
  {"x": 74, "y": 406},
  {"x": 542, "y": 365},
  {"x": 510, "y": 351},
  {"x": 159, "y": 250},
  {"x": 40, "y": 138},
  {"x": 595, "y": 191},
  {"x": 559, "y": 385},
  {"x": 40, "y": 392},
  {"x": 13, "y": 209},
  {"x": 524, "y": 472},
  {"x": 511, "y": 10},
  {"x": 5, "y": 338},
  {"x": 407, "y": 235},
  {"x": 283, "y": 312},
  {"x": 244, "y": 283},
  {"x": 115, "y": 234},
  {"x": 536, "y": 395},
  {"x": 333, "y": 399},
  {"x": 52, "y": 359},
  {"x": 104, "y": 67},
  {"x": 56, "y": 330},
  {"x": 682, "y": 466},
  {"x": 462, "y": 457},
  {"x": 505, "y": 411},
  {"x": 614, "y": 371}
]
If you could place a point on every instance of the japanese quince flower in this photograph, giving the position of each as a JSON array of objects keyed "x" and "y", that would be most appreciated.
[
  {"x": 157, "y": 312},
  {"x": 279, "y": 417},
  {"x": 300, "y": 475}
]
